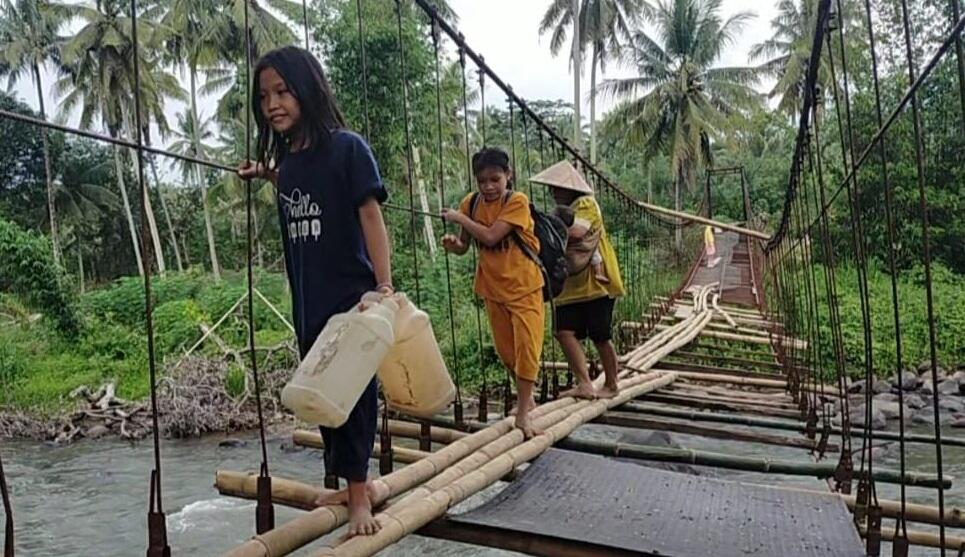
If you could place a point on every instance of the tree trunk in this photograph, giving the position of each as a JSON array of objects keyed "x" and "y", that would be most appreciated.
[
  {"x": 155, "y": 236},
  {"x": 208, "y": 226},
  {"x": 593, "y": 64},
  {"x": 119, "y": 169},
  {"x": 649, "y": 183},
  {"x": 80, "y": 265},
  {"x": 51, "y": 209},
  {"x": 424, "y": 203},
  {"x": 165, "y": 211},
  {"x": 678, "y": 231},
  {"x": 577, "y": 66}
]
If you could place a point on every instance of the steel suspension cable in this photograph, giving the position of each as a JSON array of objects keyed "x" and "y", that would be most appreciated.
[
  {"x": 8, "y": 536},
  {"x": 264, "y": 509},
  {"x": 927, "y": 260},
  {"x": 483, "y": 410},
  {"x": 457, "y": 408},
  {"x": 900, "y": 538},
  {"x": 157, "y": 523}
]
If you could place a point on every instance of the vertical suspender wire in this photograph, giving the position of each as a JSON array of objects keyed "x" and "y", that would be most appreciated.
[
  {"x": 866, "y": 485},
  {"x": 817, "y": 171},
  {"x": 457, "y": 407},
  {"x": 264, "y": 509},
  {"x": 8, "y": 545},
  {"x": 157, "y": 523},
  {"x": 483, "y": 413},
  {"x": 843, "y": 474},
  {"x": 409, "y": 147},
  {"x": 959, "y": 55},
  {"x": 484, "y": 393},
  {"x": 901, "y": 528},
  {"x": 926, "y": 256},
  {"x": 808, "y": 313},
  {"x": 365, "y": 71},
  {"x": 544, "y": 386},
  {"x": 308, "y": 45},
  {"x": 509, "y": 375}
]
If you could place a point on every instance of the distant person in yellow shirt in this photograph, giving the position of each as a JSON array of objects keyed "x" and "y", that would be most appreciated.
[
  {"x": 710, "y": 247},
  {"x": 585, "y": 307},
  {"x": 507, "y": 279}
]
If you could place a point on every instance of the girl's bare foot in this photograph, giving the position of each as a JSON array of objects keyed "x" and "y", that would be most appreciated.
[
  {"x": 585, "y": 392},
  {"x": 529, "y": 405},
  {"x": 329, "y": 497},
  {"x": 608, "y": 391},
  {"x": 360, "y": 519},
  {"x": 525, "y": 424}
]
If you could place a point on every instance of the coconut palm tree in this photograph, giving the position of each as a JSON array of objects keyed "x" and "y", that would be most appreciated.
[
  {"x": 679, "y": 102},
  {"x": 28, "y": 41},
  {"x": 787, "y": 53},
  {"x": 99, "y": 74},
  {"x": 194, "y": 34},
  {"x": 603, "y": 24}
]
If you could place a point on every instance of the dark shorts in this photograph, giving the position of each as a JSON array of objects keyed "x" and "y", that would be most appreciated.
[{"x": 593, "y": 319}]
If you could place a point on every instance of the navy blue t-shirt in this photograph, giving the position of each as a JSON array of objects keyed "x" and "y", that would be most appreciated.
[{"x": 319, "y": 193}]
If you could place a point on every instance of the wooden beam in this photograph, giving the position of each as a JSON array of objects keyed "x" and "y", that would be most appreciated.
[{"x": 704, "y": 220}]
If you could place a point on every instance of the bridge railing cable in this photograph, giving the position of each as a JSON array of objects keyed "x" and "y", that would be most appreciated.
[{"x": 859, "y": 211}]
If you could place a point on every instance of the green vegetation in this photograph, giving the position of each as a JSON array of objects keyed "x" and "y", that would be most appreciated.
[{"x": 71, "y": 209}]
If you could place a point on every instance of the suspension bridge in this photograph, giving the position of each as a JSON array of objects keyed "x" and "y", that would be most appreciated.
[{"x": 732, "y": 352}]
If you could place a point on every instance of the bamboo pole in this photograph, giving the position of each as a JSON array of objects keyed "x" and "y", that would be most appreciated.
[
  {"x": 721, "y": 405},
  {"x": 926, "y": 539},
  {"x": 313, "y": 439},
  {"x": 765, "y": 465},
  {"x": 697, "y": 393},
  {"x": 704, "y": 220},
  {"x": 737, "y": 337},
  {"x": 630, "y": 420},
  {"x": 290, "y": 493},
  {"x": 736, "y": 419},
  {"x": 411, "y": 430},
  {"x": 715, "y": 325},
  {"x": 725, "y": 359}
]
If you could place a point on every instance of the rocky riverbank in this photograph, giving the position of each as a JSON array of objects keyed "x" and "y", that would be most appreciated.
[
  {"x": 917, "y": 390},
  {"x": 193, "y": 400}
]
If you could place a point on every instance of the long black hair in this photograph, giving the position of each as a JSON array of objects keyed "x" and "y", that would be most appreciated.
[
  {"x": 306, "y": 80},
  {"x": 495, "y": 158}
]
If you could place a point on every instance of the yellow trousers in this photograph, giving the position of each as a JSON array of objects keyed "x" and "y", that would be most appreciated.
[{"x": 518, "y": 333}]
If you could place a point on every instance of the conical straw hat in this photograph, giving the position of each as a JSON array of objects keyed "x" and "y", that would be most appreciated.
[{"x": 563, "y": 175}]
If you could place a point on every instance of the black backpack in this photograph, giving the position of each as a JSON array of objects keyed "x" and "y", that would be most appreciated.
[{"x": 551, "y": 259}]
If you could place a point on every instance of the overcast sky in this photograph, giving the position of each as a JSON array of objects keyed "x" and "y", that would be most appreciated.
[{"x": 505, "y": 32}]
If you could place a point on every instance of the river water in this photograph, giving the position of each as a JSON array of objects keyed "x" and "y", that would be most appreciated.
[{"x": 90, "y": 498}]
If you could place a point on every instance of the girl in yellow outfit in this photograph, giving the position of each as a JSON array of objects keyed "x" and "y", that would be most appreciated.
[{"x": 507, "y": 279}]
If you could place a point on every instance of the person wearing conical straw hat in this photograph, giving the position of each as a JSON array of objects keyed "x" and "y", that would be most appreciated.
[{"x": 585, "y": 307}]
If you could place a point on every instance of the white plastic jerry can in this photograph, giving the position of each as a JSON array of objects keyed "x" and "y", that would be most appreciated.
[
  {"x": 414, "y": 376},
  {"x": 341, "y": 363}
]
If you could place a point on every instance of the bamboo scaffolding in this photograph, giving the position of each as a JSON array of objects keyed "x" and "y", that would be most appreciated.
[
  {"x": 821, "y": 470},
  {"x": 313, "y": 439}
]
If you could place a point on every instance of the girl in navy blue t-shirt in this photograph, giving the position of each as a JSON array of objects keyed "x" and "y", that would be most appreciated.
[{"x": 334, "y": 237}]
